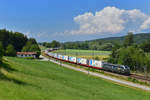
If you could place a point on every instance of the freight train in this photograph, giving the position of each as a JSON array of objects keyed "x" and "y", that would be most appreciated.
[{"x": 121, "y": 69}]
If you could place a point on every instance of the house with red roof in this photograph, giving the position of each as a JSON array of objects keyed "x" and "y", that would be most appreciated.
[{"x": 26, "y": 54}]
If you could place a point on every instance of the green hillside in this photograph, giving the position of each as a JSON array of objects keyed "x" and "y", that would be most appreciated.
[
  {"x": 104, "y": 44},
  {"x": 22, "y": 79},
  {"x": 138, "y": 38}
]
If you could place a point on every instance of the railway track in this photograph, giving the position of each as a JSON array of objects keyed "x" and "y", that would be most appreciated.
[
  {"x": 137, "y": 77},
  {"x": 103, "y": 76},
  {"x": 140, "y": 77}
]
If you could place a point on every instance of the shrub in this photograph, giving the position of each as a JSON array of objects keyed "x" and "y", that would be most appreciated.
[
  {"x": 30, "y": 58},
  {"x": 96, "y": 58}
]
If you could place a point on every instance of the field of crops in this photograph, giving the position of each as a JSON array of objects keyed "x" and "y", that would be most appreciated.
[
  {"x": 22, "y": 79},
  {"x": 90, "y": 54}
]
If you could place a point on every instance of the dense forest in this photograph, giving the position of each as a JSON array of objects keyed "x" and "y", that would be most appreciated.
[
  {"x": 18, "y": 40},
  {"x": 12, "y": 42}
]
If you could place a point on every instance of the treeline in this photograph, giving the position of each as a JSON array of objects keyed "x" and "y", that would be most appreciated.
[
  {"x": 94, "y": 45},
  {"x": 53, "y": 44},
  {"x": 105, "y": 44},
  {"x": 134, "y": 55},
  {"x": 18, "y": 40},
  {"x": 12, "y": 42}
]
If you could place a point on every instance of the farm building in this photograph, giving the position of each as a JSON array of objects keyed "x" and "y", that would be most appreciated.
[{"x": 26, "y": 54}]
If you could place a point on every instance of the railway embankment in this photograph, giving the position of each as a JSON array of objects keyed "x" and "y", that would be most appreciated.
[{"x": 116, "y": 80}]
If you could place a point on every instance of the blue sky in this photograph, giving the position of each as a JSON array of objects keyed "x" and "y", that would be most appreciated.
[{"x": 74, "y": 20}]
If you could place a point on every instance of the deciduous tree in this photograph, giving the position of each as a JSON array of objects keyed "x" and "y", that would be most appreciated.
[
  {"x": 1, "y": 52},
  {"x": 10, "y": 50}
]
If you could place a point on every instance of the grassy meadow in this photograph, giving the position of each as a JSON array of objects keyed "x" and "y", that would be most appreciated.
[
  {"x": 89, "y": 54},
  {"x": 22, "y": 79}
]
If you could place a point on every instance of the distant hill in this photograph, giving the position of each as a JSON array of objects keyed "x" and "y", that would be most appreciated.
[
  {"x": 104, "y": 43},
  {"x": 138, "y": 38}
]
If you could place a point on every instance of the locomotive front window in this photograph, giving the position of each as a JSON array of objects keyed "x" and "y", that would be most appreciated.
[
  {"x": 127, "y": 67},
  {"x": 115, "y": 66}
]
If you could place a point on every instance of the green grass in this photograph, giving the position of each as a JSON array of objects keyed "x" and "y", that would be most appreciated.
[
  {"x": 36, "y": 80},
  {"x": 90, "y": 54},
  {"x": 83, "y": 52}
]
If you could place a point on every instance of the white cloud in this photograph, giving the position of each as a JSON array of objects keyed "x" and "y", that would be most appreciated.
[
  {"x": 111, "y": 20},
  {"x": 146, "y": 24}
]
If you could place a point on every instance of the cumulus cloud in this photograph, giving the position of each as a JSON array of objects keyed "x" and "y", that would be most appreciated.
[
  {"x": 146, "y": 24},
  {"x": 111, "y": 20}
]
